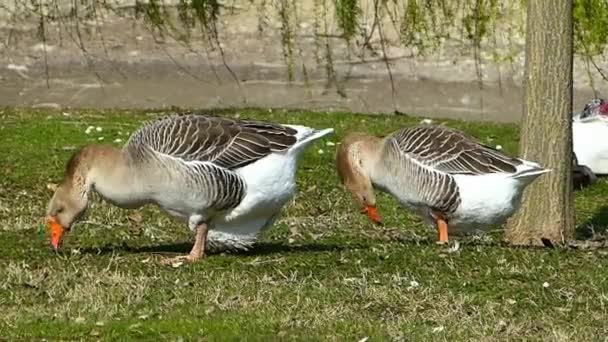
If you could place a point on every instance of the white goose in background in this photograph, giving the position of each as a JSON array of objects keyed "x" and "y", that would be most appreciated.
[
  {"x": 230, "y": 178},
  {"x": 446, "y": 177},
  {"x": 590, "y": 136}
]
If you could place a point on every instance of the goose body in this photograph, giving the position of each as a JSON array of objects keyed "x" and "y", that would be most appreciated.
[
  {"x": 589, "y": 132},
  {"x": 232, "y": 177},
  {"x": 442, "y": 175},
  {"x": 270, "y": 184}
]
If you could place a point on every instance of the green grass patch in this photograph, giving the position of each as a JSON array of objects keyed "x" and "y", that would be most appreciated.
[{"x": 323, "y": 272}]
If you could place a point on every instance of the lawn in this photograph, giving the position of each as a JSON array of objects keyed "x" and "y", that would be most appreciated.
[{"x": 323, "y": 272}]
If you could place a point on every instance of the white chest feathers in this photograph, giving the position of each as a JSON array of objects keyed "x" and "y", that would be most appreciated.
[{"x": 591, "y": 145}]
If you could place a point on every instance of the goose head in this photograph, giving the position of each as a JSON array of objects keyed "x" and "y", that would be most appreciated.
[
  {"x": 354, "y": 160},
  {"x": 71, "y": 198},
  {"x": 595, "y": 109}
]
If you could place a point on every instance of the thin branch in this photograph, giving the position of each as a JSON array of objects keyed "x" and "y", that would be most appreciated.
[
  {"x": 384, "y": 54},
  {"x": 177, "y": 64},
  {"x": 43, "y": 36},
  {"x": 79, "y": 41},
  {"x": 103, "y": 43},
  {"x": 215, "y": 35},
  {"x": 178, "y": 41}
]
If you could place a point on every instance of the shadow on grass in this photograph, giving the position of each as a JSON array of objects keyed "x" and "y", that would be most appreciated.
[
  {"x": 597, "y": 225},
  {"x": 260, "y": 249}
]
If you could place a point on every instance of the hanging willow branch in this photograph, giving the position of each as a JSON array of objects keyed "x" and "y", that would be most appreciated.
[{"x": 422, "y": 26}]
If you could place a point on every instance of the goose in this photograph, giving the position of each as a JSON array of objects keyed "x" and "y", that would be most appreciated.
[
  {"x": 228, "y": 179},
  {"x": 441, "y": 174},
  {"x": 589, "y": 131},
  {"x": 582, "y": 176}
]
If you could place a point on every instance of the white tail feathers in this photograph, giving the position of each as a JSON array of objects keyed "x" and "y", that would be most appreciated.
[
  {"x": 531, "y": 173},
  {"x": 312, "y": 135}
]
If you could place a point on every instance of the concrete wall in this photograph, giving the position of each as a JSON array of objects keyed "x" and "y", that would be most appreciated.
[{"x": 112, "y": 61}]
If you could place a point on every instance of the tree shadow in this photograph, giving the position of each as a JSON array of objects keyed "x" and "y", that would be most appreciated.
[
  {"x": 594, "y": 227},
  {"x": 177, "y": 248}
]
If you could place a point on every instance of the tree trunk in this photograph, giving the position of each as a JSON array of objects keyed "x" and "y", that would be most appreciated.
[{"x": 546, "y": 137}]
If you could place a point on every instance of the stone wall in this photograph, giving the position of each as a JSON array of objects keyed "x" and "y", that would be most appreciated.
[{"x": 111, "y": 60}]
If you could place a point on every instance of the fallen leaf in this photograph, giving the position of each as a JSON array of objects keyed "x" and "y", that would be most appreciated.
[
  {"x": 136, "y": 217},
  {"x": 52, "y": 187}
]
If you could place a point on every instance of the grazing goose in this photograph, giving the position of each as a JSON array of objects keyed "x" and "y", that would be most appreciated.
[
  {"x": 441, "y": 174},
  {"x": 589, "y": 136},
  {"x": 229, "y": 176}
]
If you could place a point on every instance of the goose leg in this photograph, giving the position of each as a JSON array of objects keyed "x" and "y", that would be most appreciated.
[
  {"x": 198, "y": 250},
  {"x": 442, "y": 228}
]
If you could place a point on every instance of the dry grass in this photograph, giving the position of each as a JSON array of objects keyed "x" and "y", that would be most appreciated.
[{"x": 322, "y": 273}]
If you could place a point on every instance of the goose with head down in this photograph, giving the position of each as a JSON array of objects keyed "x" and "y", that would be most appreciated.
[
  {"x": 448, "y": 178},
  {"x": 227, "y": 178}
]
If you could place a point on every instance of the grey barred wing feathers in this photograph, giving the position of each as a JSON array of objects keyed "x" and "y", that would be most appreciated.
[
  {"x": 226, "y": 143},
  {"x": 446, "y": 150},
  {"x": 222, "y": 188},
  {"x": 204, "y": 152},
  {"x": 428, "y": 158},
  {"x": 437, "y": 190}
]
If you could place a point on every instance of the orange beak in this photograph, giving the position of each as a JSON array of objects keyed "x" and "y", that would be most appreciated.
[
  {"x": 372, "y": 213},
  {"x": 56, "y": 231}
]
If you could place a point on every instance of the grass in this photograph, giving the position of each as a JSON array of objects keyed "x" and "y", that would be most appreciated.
[{"x": 323, "y": 272}]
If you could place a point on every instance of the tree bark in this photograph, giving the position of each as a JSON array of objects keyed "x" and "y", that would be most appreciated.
[{"x": 546, "y": 137}]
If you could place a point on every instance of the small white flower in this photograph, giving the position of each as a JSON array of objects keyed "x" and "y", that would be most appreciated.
[
  {"x": 438, "y": 329},
  {"x": 117, "y": 140},
  {"x": 65, "y": 114},
  {"x": 545, "y": 285},
  {"x": 100, "y": 138},
  {"x": 98, "y": 129},
  {"x": 426, "y": 121},
  {"x": 414, "y": 284},
  {"x": 320, "y": 151},
  {"x": 499, "y": 147},
  {"x": 330, "y": 143},
  {"x": 89, "y": 130}
]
